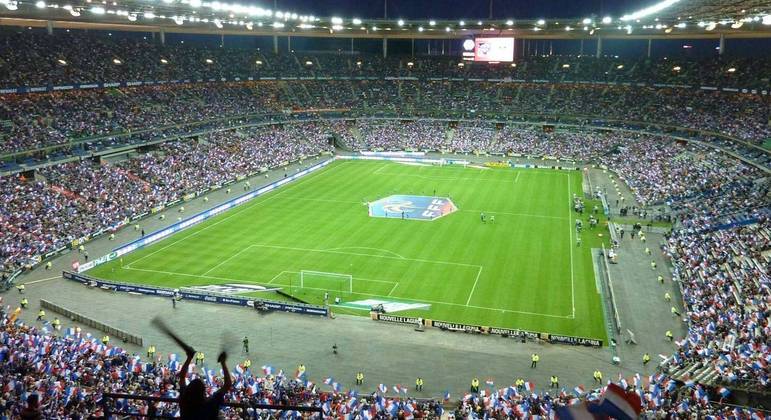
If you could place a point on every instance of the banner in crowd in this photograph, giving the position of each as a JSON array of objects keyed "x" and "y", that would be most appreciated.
[
  {"x": 75, "y": 86},
  {"x": 197, "y": 296},
  {"x": 477, "y": 329}
]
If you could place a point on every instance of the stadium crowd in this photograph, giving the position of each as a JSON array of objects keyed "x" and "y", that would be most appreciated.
[
  {"x": 33, "y": 58},
  {"x": 719, "y": 253},
  {"x": 72, "y": 200},
  {"x": 50, "y": 372}
]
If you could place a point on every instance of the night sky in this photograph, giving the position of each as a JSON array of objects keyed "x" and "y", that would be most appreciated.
[{"x": 456, "y": 9}]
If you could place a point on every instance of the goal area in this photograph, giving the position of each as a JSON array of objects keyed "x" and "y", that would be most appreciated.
[{"x": 322, "y": 280}]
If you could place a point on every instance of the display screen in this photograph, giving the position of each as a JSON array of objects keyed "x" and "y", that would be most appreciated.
[{"x": 494, "y": 49}]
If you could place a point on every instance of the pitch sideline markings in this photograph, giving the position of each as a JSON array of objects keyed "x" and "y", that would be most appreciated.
[
  {"x": 174, "y": 273},
  {"x": 572, "y": 268},
  {"x": 236, "y": 212},
  {"x": 541, "y": 216},
  {"x": 476, "y": 280}
]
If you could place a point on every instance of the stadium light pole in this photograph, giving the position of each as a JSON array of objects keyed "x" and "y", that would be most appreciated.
[
  {"x": 599, "y": 46},
  {"x": 650, "y": 46},
  {"x": 721, "y": 46},
  {"x": 385, "y": 47}
]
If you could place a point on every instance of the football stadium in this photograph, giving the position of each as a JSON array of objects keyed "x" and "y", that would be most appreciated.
[{"x": 388, "y": 209}]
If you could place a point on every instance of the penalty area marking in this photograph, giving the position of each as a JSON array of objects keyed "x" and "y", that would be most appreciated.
[{"x": 172, "y": 273}]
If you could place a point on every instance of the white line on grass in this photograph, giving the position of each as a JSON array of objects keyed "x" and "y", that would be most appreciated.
[
  {"x": 475, "y": 285},
  {"x": 393, "y": 288},
  {"x": 279, "y": 275},
  {"x": 292, "y": 248},
  {"x": 234, "y": 213},
  {"x": 323, "y": 200},
  {"x": 371, "y": 249},
  {"x": 221, "y": 263},
  {"x": 517, "y": 177},
  {"x": 200, "y": 276},
  {"x": 572, "y": 269},
  {"x": 540, "y": 216}
]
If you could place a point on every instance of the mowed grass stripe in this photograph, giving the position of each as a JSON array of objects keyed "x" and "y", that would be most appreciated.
[{"x": 525, "y": 282}]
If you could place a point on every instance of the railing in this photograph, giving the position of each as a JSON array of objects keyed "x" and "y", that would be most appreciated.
[
  {"x": 88, "y": 321},
  {"x": 152, "y": 411},
  {"x": 614, "y": 307},
  {"x": 8, "y": 283}
]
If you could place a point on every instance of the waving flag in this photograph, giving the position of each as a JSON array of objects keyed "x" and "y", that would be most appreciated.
[
  {"x": 382, "y": 388},
  {"x": 267, "y": 370},
  {"x": 618, "y": 403},
  {"x": 447, "y": 395},
  {"x": 579, "y": 390},
  {"x": 530, "y": 386},
  {"x": 724, "y": 392},
  {"x": 328, "y": 381}
]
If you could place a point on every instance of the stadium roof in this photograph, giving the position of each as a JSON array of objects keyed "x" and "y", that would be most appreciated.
[{"x": 666, "y": 19}]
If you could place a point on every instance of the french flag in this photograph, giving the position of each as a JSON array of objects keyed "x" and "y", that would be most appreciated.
[
  {"x": 579, "y": 390},
  {"x": 530, "y": 386},
  {"x": 619, "y": 404},
  {"x": 328, "y": 381},
  {"x": 382, "y": 388},
  {"x": 267, "y": 370}
]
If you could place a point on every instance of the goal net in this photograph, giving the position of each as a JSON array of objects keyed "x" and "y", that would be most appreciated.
[{"x": 321, "y": 280}]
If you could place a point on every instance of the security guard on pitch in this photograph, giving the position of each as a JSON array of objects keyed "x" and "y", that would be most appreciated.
[
  {"x": 106, "y": 340},
  {"x": 24, "y": 303},
  {"x": 56, "y": 323},
  {"x": 419, "y": 384},
  {"x": 20, "y": 288},
  {"x": 555, "y": 381},
  {"x": 247, "y": 364},
  {"x": 669, "y": 335},
  {"x": 646, "y": 359},
  {"x": 150, "y": 351},
  {"x": 359, "y": 378},
  {"x": 199, "y": 358},
  {"x": 41, "y": 314}
]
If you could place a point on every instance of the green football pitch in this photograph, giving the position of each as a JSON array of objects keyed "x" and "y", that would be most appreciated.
[{"x": 523, "y": 271}]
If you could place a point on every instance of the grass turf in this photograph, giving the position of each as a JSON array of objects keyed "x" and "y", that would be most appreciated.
[{"x": 524, "y": 271}]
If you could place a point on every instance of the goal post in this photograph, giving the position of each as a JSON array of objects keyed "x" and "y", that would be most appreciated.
[{"x": 322, "y": 280}]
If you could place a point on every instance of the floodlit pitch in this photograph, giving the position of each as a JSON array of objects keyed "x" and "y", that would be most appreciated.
[{"x": 316, "y": 238}]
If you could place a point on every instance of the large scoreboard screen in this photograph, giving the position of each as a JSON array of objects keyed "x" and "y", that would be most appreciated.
[{"x": 489, "y": 49}]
